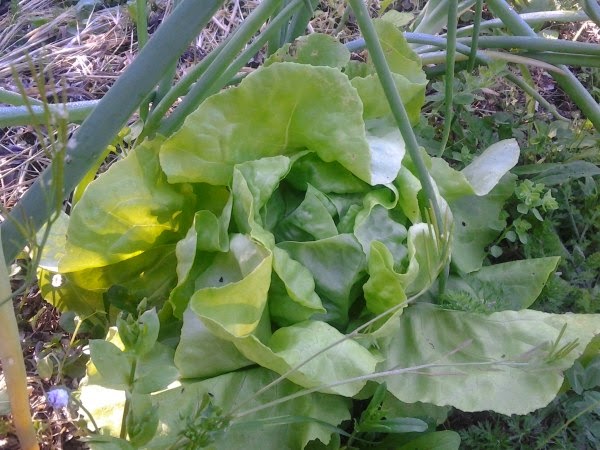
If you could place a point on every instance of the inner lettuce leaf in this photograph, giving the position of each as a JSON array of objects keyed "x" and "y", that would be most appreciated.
[
  {"x": 233, "y": 290},
  {"x": 337, "y": 265}
]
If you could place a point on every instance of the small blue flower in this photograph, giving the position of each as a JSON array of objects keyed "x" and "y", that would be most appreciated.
[{"x": 58, "y": 398}]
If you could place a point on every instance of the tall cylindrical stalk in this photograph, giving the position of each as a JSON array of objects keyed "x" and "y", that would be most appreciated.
[{"x": 13, "y": 367}]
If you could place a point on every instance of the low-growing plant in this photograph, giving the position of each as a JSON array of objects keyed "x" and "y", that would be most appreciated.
[{"x": 283, "y": 266}]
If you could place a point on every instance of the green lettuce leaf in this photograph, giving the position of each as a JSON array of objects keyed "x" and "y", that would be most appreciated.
[
  {"x": 334, "y": 280},
  {"x": 292, "y": 296},
  {"x": 477, "y": 223},
  {"x": 233, "y": 289},
  {"x": 511, "y": 356},
  {"x": 295, "y": 344},
  {"x": 201, "y": 354},
  {"x": 128, "y": 210},
  {"x": 258, "y": 430},
  {"x": 316, "y": 49},
  {"x": 263, "y": 117}
]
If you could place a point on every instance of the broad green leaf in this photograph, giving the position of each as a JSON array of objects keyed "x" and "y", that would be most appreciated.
[
  {"x": 200, "y": 354},
  {"x": 438, "y": 440},
  {"x": 155, "y": 370},
  {"x": 53, "y": 248},
  {"x": 375, "y": 102},
  {"x": 316, "y": 49},
  {"x": 477, "y": 224},
  {"x": 277, "y": 110},
  {"x": 399, "y": 19},
  {"x": 334, "y": 281},
  {"x": 113, "y": 367},
  {"x": 146, "y": 275},
  {"x": 233, "y": 290},
  {"x": 486, "y": 170},
  {"x": 400, "y": 57},
  {"x": 239, "y": 388},
  {"x": 292, "y": 296},
  {"x": 551, "y": 174},
  {"x": 290, "y": 346},
  {"x": 130, "y": 209},
  {"x": 520, "y": 282},
  {"x": 387, "y": 150},
  {"x": 451, "y": 183},
  {"x": 65, "y": 295},
  {"x": 507, "y": 355}
]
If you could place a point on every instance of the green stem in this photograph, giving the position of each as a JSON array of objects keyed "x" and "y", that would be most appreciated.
[
  {"x": 398, "y": 110},
  {"x": 16, "y": 99},
  {"x": 568, "y": 82},
  {"x": 562, "y": 60},
  {"x": 482, "y": 58},
  {"x": 241, "y": 36},
  {"x": 127, "y": 406},
  {"x": 109, "y": 116},
  {"x": 449, "y": 88},
  {"x": 537, "y": 18},
  {"x": 592, "y": 9},
  {"x": 475, "y": 37},
  {"x": 13, "y": 366},
  {"x": 141, "y": 23},
  {"x": 35, "y": 114},
  {"x": 536, "y": 44},
  {"x": 141, "y": 26}
]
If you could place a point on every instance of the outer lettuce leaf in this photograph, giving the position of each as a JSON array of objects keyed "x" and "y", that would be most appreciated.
[
  {"x": 520, "y": 282},
  {"x": 149, "y": 274},
  {"x": 400, "y": 57},
  {"x": 290, "y": 346},
  {"x": 375, "y": 102},
  {"x": 508, "y": 358},
  {"x": 477, "y": 224},
  {"x": 513, "y": 285},
  {"x": 128, "y": 210},
  {"x": 228, "y": 391},
  {"x": 316, "y": 49},
  {"x": 200, "y": 354},
  {"x": 487, "y": 169},
  {"x": 263, "y": 117},
  {"x": 232, "y": 389},
  {"x": 337, "y": 264}
]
